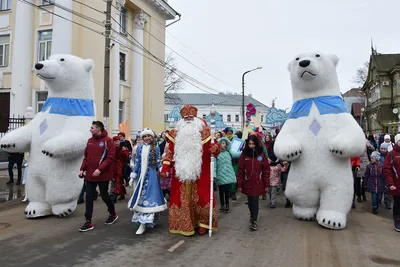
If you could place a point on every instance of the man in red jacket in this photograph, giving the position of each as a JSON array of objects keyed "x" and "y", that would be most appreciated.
[
  {"x": 97, "y": 168},
  {"x": 391, "y": 171}
]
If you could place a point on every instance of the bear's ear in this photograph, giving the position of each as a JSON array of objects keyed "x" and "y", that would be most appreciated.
[
  {"x": 88, "y": 64},
  {"x": 334, "y": 59}
]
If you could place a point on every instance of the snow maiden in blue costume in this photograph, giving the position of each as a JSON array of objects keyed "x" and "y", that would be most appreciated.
[{"x": 147, "y": 198}]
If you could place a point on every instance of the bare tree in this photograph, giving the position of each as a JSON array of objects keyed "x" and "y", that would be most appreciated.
[
  {"x": 361, "y": 75},
  {"x": 173, "y": 83}
]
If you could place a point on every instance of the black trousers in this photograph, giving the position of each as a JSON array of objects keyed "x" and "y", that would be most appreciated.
[
  {"x": 252, "y": 202},
  {"x": 396, "y": 205},
  {"x": 357, "y": 184},
  {"x": 224, "y": 194},
  {"x": 90, "y": 194},
  {"x": 11, "y": 163}
]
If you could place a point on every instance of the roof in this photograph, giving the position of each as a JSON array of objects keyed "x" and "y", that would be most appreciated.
[
  {"x": 164, "y": 8},
  {"x": 207, "y": 99},
  {"x": 354, "y": 92},
  {"x": 356, "y": 109},
  {"x": 386, "y": 62}
]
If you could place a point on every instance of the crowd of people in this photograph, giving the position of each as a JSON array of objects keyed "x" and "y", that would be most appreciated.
[
  {"x": 173, "y": 169},
  {"x": 376, "y": 172}
]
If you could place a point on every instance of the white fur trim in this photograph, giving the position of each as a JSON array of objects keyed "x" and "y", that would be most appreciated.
[
  {"x": 143, "y": 172},
  {"x": 188, "y": 150},
  {"x": 146, "y": 131},
  {"x": 150, "y": 210}
]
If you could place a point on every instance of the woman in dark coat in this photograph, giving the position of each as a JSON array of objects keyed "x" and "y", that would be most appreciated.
[{"x": 253, "y": 175}]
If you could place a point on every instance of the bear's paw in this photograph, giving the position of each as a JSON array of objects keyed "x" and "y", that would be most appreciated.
[
  {"x": 47, "y": 153},
  {"x": 64, "y": 209},
  {"x": 341, "y": 146},
  {"x": 332, "y": 219},
  {"x": 288, "y": 150},
  {"x": 37, "y": 209},
  {"x": 304, "y": 213}
]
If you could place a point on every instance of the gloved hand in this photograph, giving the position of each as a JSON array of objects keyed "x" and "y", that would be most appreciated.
[
  {"x": 132, "y": 179},
  {"x": 358, "y": 169}
]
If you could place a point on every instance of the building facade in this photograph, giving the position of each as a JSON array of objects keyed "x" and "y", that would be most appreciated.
[
  {"x": 354, "y": 100},
  {"x": 382, "y": 94},
  {"x": 33, "y": 30},
  {"x": 227, "y": 106}
]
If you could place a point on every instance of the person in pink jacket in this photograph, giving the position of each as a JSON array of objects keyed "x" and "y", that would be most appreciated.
[{"x": 274, "y": 178}]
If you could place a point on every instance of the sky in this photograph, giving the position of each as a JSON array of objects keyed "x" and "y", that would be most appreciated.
[{"x": 228, "y": 37}]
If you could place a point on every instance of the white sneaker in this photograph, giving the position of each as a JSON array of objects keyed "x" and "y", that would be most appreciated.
[{"x": 141, "y": 230}]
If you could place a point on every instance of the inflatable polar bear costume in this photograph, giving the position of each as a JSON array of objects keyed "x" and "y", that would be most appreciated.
[
  {"x": 57, "y": 136},
  {"x": 319, "y": 138}
]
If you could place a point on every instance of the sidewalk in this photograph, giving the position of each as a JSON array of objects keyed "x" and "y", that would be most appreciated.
[{"x": 10, "y": 192}]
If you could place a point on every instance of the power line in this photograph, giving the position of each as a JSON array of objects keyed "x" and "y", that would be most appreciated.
[
  {"x": 182, "y": 75},
  {"x": 162, "y": 42},
  {"x": 86, "y": 5},
  {"x": 48, "y": 11}
]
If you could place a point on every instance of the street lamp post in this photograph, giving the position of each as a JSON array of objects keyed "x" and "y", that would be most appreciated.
[
  {"x": 212, "y": 122},
  {"x": 243, "y": 112},
  {"x": 396, "y": 112}
]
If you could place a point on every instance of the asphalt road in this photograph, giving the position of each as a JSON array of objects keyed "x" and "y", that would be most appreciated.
[{"x": 281, "y": 240}]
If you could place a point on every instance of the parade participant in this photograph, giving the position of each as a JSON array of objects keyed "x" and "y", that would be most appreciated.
[
  {"x": 147, "y": 198},
  {"x": 121, "y": 157},
  {"x": 15, "y": 159},
  {"x": 253, "y": 176},
  {"x": 375, "y": 181},
  {"x": 388, "y": 140},
  {"x": 224, "y": 173},
  {"x": 188, "y": 159},
  {"x": 387, "y": 199},
  {"x": 126, "y": 170},
  {"x": 229, "y": 133},
  {"x": 163, "y": 142},
  {"x": 276, "y": 169},
  {"x": 391, "y": 171},
  {"x": 355, "y": 168},
  {"x": 97, "y": 169}
]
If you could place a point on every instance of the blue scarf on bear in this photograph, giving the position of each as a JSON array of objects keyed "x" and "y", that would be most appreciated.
[
  {"x": 69, "y": 106},
  {"x": 325, "y": 105}
]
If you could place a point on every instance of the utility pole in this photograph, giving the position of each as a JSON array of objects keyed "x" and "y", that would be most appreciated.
[
  {"x": 243, "y": 112},
  {"x": 106, "y": 108}
]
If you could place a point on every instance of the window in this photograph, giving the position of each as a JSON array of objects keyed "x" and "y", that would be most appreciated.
[
  {"x": 121, "y": 111},
  {"x": 237, "y": 118},
  {"x": 228, "y": 118},
  {"x": 204, "y": 116},
  {"x": 4, "y": 50},
  {"x": 262, "y": 118},
  {"x": 5, "y": 4},
  {"x": 41, "y": 97},
  {"x": 122, "y": 60},
  {"x": 44, "y": 45},
  {"x": 123, "y": 20},
  {"x": 46, "y": 2}
]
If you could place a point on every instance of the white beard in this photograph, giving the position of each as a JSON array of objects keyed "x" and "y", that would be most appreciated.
[{"x": 188, "y": 150}]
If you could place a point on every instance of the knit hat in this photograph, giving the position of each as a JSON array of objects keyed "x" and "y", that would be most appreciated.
[
  {"x": 376, "y": 155},
  {"x": 387, "y": 137},
  {"x": 397, "y": 138},
  {"x": 146, "y": 131},
  {"x": 385, "y": 146}
]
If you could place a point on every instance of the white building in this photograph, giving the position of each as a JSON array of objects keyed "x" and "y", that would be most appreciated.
[{"x": 229, "y": 106}]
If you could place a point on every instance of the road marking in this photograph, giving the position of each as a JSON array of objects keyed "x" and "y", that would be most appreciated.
[{"x": 177, "y": 245}]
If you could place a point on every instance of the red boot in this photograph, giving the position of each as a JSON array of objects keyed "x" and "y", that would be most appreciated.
[{"x": 202, "y": 231}]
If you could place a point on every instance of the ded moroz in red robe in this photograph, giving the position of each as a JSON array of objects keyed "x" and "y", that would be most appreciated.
[{"x": 189, "y": 206}]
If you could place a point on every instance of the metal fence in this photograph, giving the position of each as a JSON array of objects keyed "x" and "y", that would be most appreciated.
[{"x": 13, "y": 123}]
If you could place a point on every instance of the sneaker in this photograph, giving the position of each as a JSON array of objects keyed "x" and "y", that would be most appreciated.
[
  {"x": 10, "y": 182},
  {"x": 359, "y": 200},
  {"x": 246, "y": 202},
  {"x": 253, "y": 226},
  {"x": 111, "y": 219},
  {"x": 227, "y": 209},
  {"x": 86, "y": 227},
  {"x": 272, "y": 206},
  {"x": 396, "y": 223},
  {"x": 234, "y": 198},
  {"x": 222, "y": 208}
]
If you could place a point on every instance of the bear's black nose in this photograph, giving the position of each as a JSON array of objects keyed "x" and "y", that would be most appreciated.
[
  {"x": 39, "y": 66},
  {"x": 304, "y": 63}
]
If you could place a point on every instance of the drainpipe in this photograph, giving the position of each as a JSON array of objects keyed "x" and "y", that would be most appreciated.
[{"x": 179, "y": 15}]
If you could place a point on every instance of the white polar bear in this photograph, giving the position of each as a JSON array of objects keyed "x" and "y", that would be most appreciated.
[
  {"x": 319, "y": 137},
  {"x": 57, "y": 136}
]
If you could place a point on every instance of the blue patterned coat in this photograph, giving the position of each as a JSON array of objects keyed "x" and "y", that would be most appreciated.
[
  {"x": 374, "y": 179},
  {"x": 147, "y": 196}
]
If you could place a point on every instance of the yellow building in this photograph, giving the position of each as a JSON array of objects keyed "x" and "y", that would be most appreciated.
[{"x": 32, "y": 30}]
